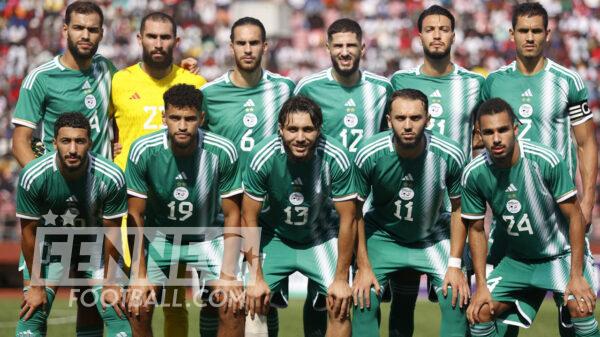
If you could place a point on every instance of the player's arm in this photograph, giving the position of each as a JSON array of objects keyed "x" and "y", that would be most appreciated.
[
  {"x": 455, "y": 278},
  {"x": 229, "y": 269},
  {"x": 36, "y": 296},
  {"x": 21, "y": 144},
  {"x": 478, "y": 245},
  {"x": 364, "y": 278},
  {"x": 577, "y": 286},
  {"x": 111, "y": 291},
  {"x": 587, "y": 153}
]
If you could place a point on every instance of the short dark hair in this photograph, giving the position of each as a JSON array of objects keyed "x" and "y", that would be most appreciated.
[
  {"x": 249, "y": 21},
  {"x": 435, "y": 10},
  {"x": 301, "y": 104},
  {"x": 494, "y": 106},
  {"x": 344, "y": 25},
  {"x": 183, "y": 96},
  {"x": 83, "y": 7},
  {"x": 529, "y": 9},
  {"x": 72, "y": 120},
  {"x": 410, "y": 94},
  {"x": 159, "y": 16}
]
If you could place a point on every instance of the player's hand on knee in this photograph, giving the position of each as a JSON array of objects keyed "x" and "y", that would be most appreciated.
[
  {"x": 361, "y": 287},
  {"x": 456, "y": 280},
  {"x": 112, "y": 296},
  {"x": 258, "y": 297},
  {"x": 137, "y": 298},
  {"x": 339, "y": 296},
  {"x": 34, "y": 298},
  {"x": 231, "y": 294},
  {"x": 582, "y": 293},
  {"x": 481, "y": 298}
]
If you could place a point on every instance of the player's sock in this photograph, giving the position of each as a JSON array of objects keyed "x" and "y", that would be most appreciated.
[
  {"x": 176, "y": 314},
  {"x": 365, "y": 322},
  {"x": 454, "y": 321},
  {"x": 315, "y": 322},
  {"x": 36, "y": 326},
  {"x": 115, "y": 326},
  {"x": 402, "y": 310},
  {"x": 565, "y": 326},
  {"x": 273, "y": 322},
  {"x": 586, "y": 327},
  {"x": 506, "y": 330},
  {"x": 209, "y": 324},
  {"x": 88, "y": 331},
  {"x": 487, "y": 329},
  {"x": 256, "y": 327}
]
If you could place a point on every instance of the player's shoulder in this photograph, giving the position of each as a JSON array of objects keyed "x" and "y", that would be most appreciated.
[
  {"x": 566, "y": 73},
  {"x": 106, "y": 170},
  {"x": 468, "y": 74},
  {"x": 334, "y": 151},
  {"x": 540, "y": 153},
  {"x": 37, "y": 169},
  {"x": 41, "y": 72},
  {"x": 124, "y": 75},
  {"x": 220, "y": 146},
  {"x": 147, "y": 144},
  {"x": 404, "y": 73},
  {"x": 265, "y": 151},
  {"x": 219, "y": 82},
  {"x": 186, "y": 77},
  {"x": 312, "y": 80},
  {"x": 377, "y": 79},
  {"x": 475, "y": 167},
  {"x": 373, "y": 147},
  {"x": 446, "y": 147},
  {"x": 103, "y": 62},
  {"x": 278, "y": 78},
  {"x": 504, "y": 71}
]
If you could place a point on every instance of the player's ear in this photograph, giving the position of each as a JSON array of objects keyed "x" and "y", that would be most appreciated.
[
  {"x": 548, "y": 35},
  {"x": 363, "y": 49},
  {"x": 139, "y": 38},
  {"x": 511, "y": 32},
  {"x": 201, "y": 116},
  {"x": 177, "y": 39},
  {"x": 389, "y": 120}
]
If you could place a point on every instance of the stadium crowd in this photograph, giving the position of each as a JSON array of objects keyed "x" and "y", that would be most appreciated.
[{"x": 30, "y": 34}]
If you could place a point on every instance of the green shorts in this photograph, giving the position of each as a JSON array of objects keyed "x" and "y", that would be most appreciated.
[
  {"x": 526, "y": 284},
  {"x": 53, "y": 270},
  {"x": 317, "y": 262}
]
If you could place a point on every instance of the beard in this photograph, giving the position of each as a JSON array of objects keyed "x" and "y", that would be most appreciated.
[
  {"x": 436, "y": 55},
  {"x": 345, "y": 72},
  {"x": 66, "y": 167},
  {"x": 78, "y": 55},
  {"x": 249, "y": 67},
  {"x": 411, "y": 144},
  {"x": 159, "y": 65}
]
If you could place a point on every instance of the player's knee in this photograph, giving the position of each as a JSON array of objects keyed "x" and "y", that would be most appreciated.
[
  {"x": 574, "y": 310},
  {"x": 141, "y": 325}
]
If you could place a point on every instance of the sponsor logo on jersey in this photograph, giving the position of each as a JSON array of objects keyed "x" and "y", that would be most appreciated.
[
  {"x": 135, "y": 96},
  {"x": 436, "y": 93},
  {"x": 513, "y": 206},
  {"x": 406, "y": 193},
  {"x": 87, "y": 88},
  {"x": 181, "y": 176},
  {"x": 90, "y": 101},
  {"x": 350, "y": 106},
  {"x": 181, "y": 193},
  {"x": 72, "y": 199},
  {"x": 250, "y": 120},
  {"x": 249, "y": 105},
  {"x": 527, "y": 93},
  {"x": 350, "y": 120},
  {"x": 296, "y": 198},
  {"x": 408, "y": 177},
  {"x": 297, "y": 181},
  {"x": 526, "y": 110},
  {"x": 511, "y": 188}
]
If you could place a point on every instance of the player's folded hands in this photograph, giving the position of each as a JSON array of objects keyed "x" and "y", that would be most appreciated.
[
  {"x": 258, "y": 296},
  {"x": 361, "y": 287},
  {"x": 230, "y": 292},
  {"x": 583, "y": 293},
  {"x": 481, "y": 298},
  {"x": 137, "y": 297},
  {"x": 339, "y": 296},
  {"x": 457, "y": 281},
  {"x": 112, "y": 295},
  {"x": 34, "y": 298}
]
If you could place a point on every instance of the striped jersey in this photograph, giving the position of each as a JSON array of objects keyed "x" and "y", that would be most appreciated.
[
  {"x": 299, "y": 194},
  {"x": 452, "y": 99},
  {"x": 524, "y": 199},
  {"x": 138, "y": 102},
  {"x": 245, "y": 115},
  {"x": 547, "y": 103},
  {"x": 350, "y": 114},
  {"x": 44, "y": 194},
  {"x": 408, "y": 194},
  {"x": 53, "y": 89},
  {"x": 182, "y": 191}
]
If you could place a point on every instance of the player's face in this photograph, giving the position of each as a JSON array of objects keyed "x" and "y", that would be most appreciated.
[
  {"x": 408, "y": 119},
  {"x": 530, "y": 36},
  {"x": 498, "y": 133},
  {"x": 248, "y": 47},
  {"x": 83, "y": 35},
  {"x": 436, "y": 36},
  {"x": 345, "y": 50},
  {"x": 158, "y": 41},
  {"x": 72, "y": 145},
  {"x": 182, "y": 125},
  {"x": 299, "y": 135}
]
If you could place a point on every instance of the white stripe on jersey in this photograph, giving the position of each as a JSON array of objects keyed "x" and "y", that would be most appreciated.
[
  {"x": 320, "y": 75},
  {"x": 223, "y": 143},
  {"x": 112, "y": 173},
  {"x": 35, "y": 171},
  {"x": 30, "y": 79},
  {"x": 569, "y": 73},
  {"x": 449, "y": 148},
  {"x": 259, "y": 155},
  {"x": 369, "y": 74},
  {"x": 370, "y": 149},
  {"x": 139, "y": 148},
  {"x": 542, "y": 153},
  {"x": 478, "y": 161},
  {"x": 222, "y": 78},
  {"x": 336, "y": 153}
]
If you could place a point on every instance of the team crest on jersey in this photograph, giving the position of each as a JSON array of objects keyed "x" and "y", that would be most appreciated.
[
  {"x": 526, "y": 110},
  {"x": 181, "y": 193},
  {"x": 406, "y": 193},
  {"x": 90, "y": 101},
  {"x": 250, "y": 120},
  {"x": 350, "y": 120},
  {"x": 296, "y": 198},
  {"x": 513, "y": 206},
  {"x": 436, "y": 110}
]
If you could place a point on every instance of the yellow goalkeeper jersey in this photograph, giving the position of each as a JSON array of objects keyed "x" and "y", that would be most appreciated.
[{"x": 138, "y": 103}]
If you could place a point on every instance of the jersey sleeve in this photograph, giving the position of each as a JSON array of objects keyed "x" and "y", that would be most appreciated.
[
  {"x": 135, "y": 173},
  {"x": 361, "y": 178},
  {"x": 396, "y": 81},
  {"x": 453, "y": 180},
  {"x": 115, "y": 203},
  {"x": 472, "y": 202},
  {"x": 559, "y": 181},
  {"x": 28, "y": 111},
  {"x": 579, "y": 109},
  {"x": 230, "y": 178},
  {"x": 28, "y": 200},
  {"x": 343, "y": 180},
  {"x": 255, "y": 181}
]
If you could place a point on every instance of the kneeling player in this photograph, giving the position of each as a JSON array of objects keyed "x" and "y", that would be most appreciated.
[
  {"x": 181, "y": 177},
  {"x": 529, "y": 189},
  {"x": 301, "y": 172},
  {"x": 69, "y": 187},
  {"x": 410, "y": 172}
]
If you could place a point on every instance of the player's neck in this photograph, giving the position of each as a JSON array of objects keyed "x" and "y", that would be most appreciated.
[
  {"x": 156, "y": 73},
  {"x": 74, "y": 175},
  {"x": 346, "y": 81},
  {"x": 409, "y": 152},
  {"x": 246, "y": 79},
  {"x": 71, "y": 62},
  {"x": 185, "y": 151},
  {"x": 530, "y": 66},
  {"x": 437, "y": 68}
]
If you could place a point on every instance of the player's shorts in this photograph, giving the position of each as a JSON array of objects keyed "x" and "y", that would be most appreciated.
[
  {"x": 387, "y": 255},
  {"x": 317, "y": 262},
  {"x": 525, "y": 284}
]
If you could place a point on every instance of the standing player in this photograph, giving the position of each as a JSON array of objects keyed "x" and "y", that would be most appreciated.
[
  {"x": 410, "y": 172},
  {"x": 550, "y": 101},
  {"x": 300, "y": 171},
  {"x": 453, "y": 94},
  {"x": 242, "y": 105},
  {"x": 138, "y": 108},
  {"x": 353, "y": 102},
  {"x": 181, "y": 177},
  {"x": 528, "y": 186},
  {"x": 78, "y": 80},
  {"x": 69, "y": 187}
]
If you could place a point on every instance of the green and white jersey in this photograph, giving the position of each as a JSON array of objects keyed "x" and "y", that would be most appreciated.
[
  {"x": 53, "y": 89},
  {"x": 408, "y": 194},
  {"x": 245, "y": 115},
  {"x": 547, "y": 103},
  {"x": 182, "y": 191},
  {"x": 299, "y": 193},
  {"x": 452, "y": 98},
  {"x": 350, "y": 114},
  {"x": 44, "y": 194},
  {"x": 524, "y": 199}
]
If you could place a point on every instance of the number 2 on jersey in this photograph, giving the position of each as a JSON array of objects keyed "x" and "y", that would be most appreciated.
[{"x": 522, "y": 226}]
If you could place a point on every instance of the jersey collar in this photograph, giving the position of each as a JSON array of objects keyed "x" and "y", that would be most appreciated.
[
  {"x": 330, "y": 75},
  {"x": 453, "y": 72}
]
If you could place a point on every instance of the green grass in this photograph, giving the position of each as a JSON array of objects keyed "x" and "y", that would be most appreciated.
[{"x": 427, "y": 319}]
